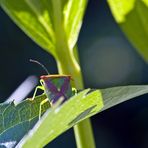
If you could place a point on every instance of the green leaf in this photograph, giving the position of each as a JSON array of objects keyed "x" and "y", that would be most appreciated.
[
  {"x": 132, "y": 16},
  {"x": 33, "y": 17},
  {"x": 115, "y": 95},
  {"x": 36, "y": 19},
  {"x": 76, "y": 109},
  {"x": 17, "y": 120},
  {"x": 58, "y": 120},
  {"x": 73, "y": 15}
]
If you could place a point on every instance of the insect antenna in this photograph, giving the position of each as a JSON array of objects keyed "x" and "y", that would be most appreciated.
[{"x": 37, "y": 62}]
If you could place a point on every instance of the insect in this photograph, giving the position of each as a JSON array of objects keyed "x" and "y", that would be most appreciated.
[{"x": 54, "y": 86}]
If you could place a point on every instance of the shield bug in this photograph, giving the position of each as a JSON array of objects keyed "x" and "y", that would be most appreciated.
[{"x": 54, "y": 86}]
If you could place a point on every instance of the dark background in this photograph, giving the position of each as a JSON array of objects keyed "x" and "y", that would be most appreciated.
[{"x": 107, "y": 59}]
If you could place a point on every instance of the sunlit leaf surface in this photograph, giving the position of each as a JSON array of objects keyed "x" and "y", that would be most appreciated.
[
  {"x": 115, "y": 95},
  {"x": 78, "y": 108},
  {"x": 36, "y": 19},
  {"x": 16, "y": 121},
  {"x": 58, "y": 120},
  {"x": 132, "y": 16}
]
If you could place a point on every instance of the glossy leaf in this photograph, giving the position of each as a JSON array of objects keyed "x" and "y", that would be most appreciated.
[
  {"x": 73, "y": 15},
  {"x": 132, "y": 16},
  {"x": 17, "y": 120},
  {"x": 58, "y": 120},
  {"x": 115, "y": 95},
  {"x": 32, "y": 16},
  {"x": 37, "y": 19},
  {"x": 77, "y": 108}
]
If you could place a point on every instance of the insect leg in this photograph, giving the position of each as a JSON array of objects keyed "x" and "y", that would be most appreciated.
[
  {"x": 40, "y": 111},
  {"x": 74, "y": 91},
  {"x": 36, "y": 89}
]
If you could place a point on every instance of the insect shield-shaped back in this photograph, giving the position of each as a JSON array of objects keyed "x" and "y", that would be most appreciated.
[{"x": 57, "y": 86}]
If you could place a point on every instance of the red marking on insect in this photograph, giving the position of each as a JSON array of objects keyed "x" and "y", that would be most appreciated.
[{"x": 44, "y": 77}]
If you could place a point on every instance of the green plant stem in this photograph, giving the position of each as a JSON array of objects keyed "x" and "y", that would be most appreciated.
[
  {"x": 83, "y": 130},
  {"x": 67, "y": 64},
  {"x": 84, "y": 134}
]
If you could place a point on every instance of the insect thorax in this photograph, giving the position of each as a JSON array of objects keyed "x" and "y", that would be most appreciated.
[{"x": 56, "y": 87}]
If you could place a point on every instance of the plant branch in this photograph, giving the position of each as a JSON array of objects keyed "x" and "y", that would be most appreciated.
[{"x": 67, "y": 64}]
